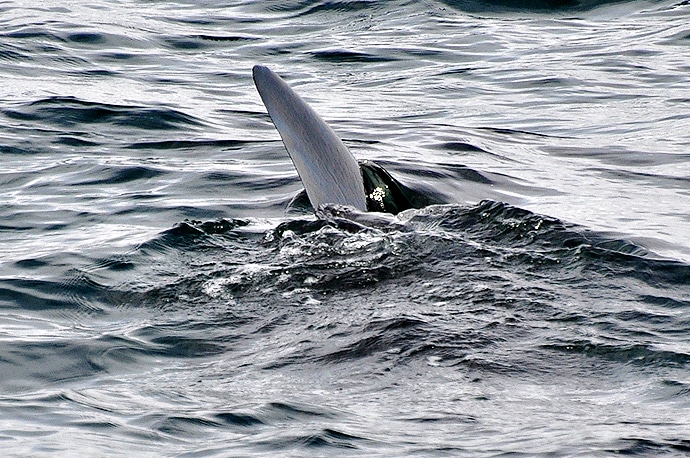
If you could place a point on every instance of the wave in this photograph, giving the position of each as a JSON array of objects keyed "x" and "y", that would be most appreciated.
[
  {"x": 478, "y": 266},
  {"x": 70, "y": 111},
  {"x": 335, "y": 7},
  {"x": 542, "y": 6}
]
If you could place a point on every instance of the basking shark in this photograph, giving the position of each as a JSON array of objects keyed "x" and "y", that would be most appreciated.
[{"x": 329, "y": 172}]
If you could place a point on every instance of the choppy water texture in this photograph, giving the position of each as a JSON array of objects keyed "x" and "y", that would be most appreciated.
[{"x": 158, "y": 296}]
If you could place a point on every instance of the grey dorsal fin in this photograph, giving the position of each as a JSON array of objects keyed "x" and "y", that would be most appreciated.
[{"x": 328, "y": 170}]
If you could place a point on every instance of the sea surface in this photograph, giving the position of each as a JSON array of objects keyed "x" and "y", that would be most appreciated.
[{"x": 163, "y": 293}]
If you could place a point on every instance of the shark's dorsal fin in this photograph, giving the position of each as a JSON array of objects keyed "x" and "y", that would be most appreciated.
[{"x": 328, "y": 170}]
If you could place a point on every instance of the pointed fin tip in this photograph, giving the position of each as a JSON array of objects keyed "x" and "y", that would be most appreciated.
[{"x": 260, "y": 72}]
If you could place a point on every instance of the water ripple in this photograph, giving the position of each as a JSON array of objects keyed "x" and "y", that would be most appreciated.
[{"x": 165, "y": 283}]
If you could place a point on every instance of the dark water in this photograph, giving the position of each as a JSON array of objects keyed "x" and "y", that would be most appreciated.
[{"x": 158, "y": 296}]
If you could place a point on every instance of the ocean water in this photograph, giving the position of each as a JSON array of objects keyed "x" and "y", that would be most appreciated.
[{"x": 160, "y": 295}]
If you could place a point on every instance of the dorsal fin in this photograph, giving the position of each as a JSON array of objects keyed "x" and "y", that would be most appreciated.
[{"x": 328, "y": 170}]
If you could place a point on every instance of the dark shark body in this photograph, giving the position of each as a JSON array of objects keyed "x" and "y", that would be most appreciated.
[{"x": 328, "y": 170}]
